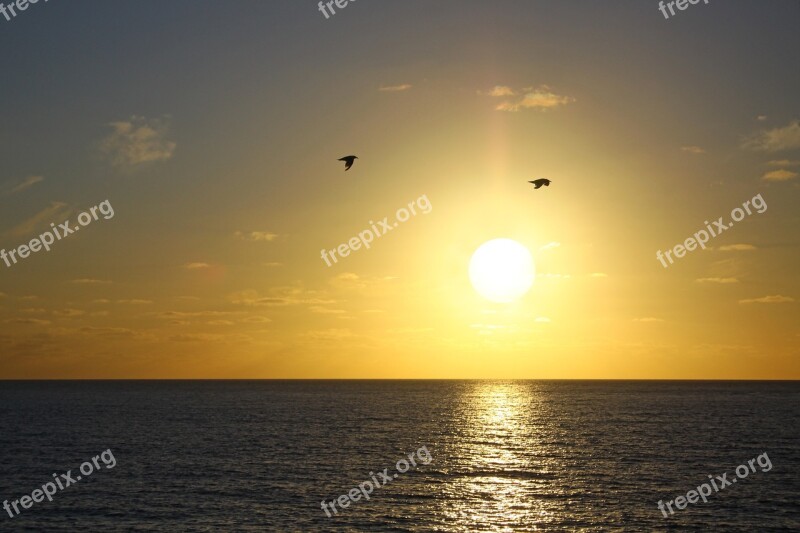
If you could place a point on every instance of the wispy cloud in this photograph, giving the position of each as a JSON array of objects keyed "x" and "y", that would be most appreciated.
[
  {"x": 171, "y": 315},
  {"x": 550, "y": 246},
  {"x": 32, "y": 321},
  {"x": 137, "y": 141},
  {"x": 90, "y": 281},
  {"x": 783, "y": 163},
  {"x": 737, "y": 248},
  {"x": 69, "y": 313},
  {"x": 27, "y": 183},
  {"x": 279, "y": 296},
  {"x": 352, "y": 281},
  {"x": 196, "y": 266},
  {"x": 498, "y": 91},
  {"x": 56, "y": 212},
  {"x": 717, "y": 280},
  {"x": 648, "y": 319},
  {"x": 775, "y": 140},
  {"x": 542, "y": 98},
  {"x": 776, "y": 299},
  {"x": 779, "y": 175},
  {"x": 395, "y": 88},
  {"x": 693, "y": 150},
  {"x": 108, "y": 331},
  {"x": 135, "y": 302},
  {"x": 256, "y": 320},
  {"x": 325, "y": 310},
  {"x": 598, "y": 275},
  {"x": 264, "y": 236},
  {"x": 332, "y": 334},
  {"x": 548, "y": 275}
]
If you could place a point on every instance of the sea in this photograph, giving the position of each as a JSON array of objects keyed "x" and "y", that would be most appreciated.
[{"x": 499, "y": 456}]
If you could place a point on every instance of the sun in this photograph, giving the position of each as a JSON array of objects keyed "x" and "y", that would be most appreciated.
[{"x": 501, "y": 270}]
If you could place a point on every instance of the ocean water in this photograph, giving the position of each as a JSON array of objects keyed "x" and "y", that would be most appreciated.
[{"x": 505, "y": 455}]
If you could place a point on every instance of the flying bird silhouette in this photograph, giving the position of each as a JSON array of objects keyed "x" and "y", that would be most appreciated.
[
  {"x": 538, "y": 183},
  {"x": 348, "y": 161}
]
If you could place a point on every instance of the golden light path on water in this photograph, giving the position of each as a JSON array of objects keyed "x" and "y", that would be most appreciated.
[{"x": 502, "y": 470}]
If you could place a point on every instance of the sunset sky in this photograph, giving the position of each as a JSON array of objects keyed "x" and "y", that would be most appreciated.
[{"x": 214, "y": 129}]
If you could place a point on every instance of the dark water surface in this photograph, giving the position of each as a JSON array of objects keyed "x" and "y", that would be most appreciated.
[{"x": 506, "y": 455}]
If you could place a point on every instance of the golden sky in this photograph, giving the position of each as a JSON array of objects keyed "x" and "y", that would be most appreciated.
[{"x": 214, "y": 135}]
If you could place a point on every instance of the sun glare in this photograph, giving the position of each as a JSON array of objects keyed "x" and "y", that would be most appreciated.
[{"x": 501, "y": 270}]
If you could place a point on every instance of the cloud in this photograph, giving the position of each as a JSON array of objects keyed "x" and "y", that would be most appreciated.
[
  {"x": 352, "y": 281},
  {"x": 776, "y": 299},
  {"x": 56, "y": 212},
  {"x": 90, "y": 281},
  {"x": 69, "y": 313},
  {"x": 783, "y": 163},
  {"x": 499, "y": 90},
  {"x": 135, "y": 302},
  {"x": 332, "y": 334},
  {"x": 138, "y": 141},
  {"x": 648, "y": 319},
  {"x": 775, "y": 140},
  {"x": 220, "y": 323},
  {"x": 326, "y": 311},
  {"x": 27, "y": 183},
  {"x": 761, "y": 118},
  {"x": 395, "y": 88},
  {"x": 737, "y": 248},
  {"x": 779, "y": 175},
  {"x": 196, "y": 266},
  {"x": 598, "y": 275},
  {"x": 256, "y": 236},
  {"x": 169, "y": 315},
  {"x": 540, "y": 98},
  {"x": 553, "y": 276},
  {"x": 200, "y": 337},
  {"x": 256, "y": 320},
  {"x": 272, "y": 264},
  {"x": 693, "y": 150},
  {"x": 32, "y": 321},
  {"x": 279, "y": 296},
  {"x": 108, "y": 332},
  {"x": 550, "y": 246},
  {"x": 717, "y": 280}
]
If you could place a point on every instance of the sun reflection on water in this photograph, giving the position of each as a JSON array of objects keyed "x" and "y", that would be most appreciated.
[{"x": 500, "y": 468}]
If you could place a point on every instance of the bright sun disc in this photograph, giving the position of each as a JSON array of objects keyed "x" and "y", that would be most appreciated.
[{"x": 501, "y": 270}]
